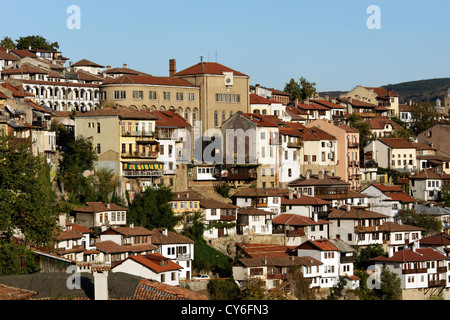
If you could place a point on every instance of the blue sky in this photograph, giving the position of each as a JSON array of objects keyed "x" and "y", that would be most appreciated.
[{"x": 325, "y": 41}]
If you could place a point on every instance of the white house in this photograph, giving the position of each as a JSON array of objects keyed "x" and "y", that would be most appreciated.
[
  {"x": 426, "y": 184},
  {"x": 253, "y": 221},
  {"x": 418, "y": 268},
  {"x": 175, "y": 247},
  {"x": 101, "y": 215},
  {"x": 151, "y": 266},
  {"x": 217, "y": 215},
  {"x": 388, "y": 200},
  {"x": 325, "y": 252},
  {"x": 393, "y": 153},
  {"x": 264, "y": 199}
]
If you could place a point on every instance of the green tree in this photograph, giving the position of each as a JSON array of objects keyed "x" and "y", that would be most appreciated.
[
  {"x": 225, "y": 289},
  {"x": 424, "y": 116},
  {"x": 365, "y": 135},
  {"x": 336, "y": 291},
  {"x": 364, "y": 255},
  {"x": 17, "y": 260},
  {"x": 36, "y": 42},
  {"x": 26, "y": 197},
  {"x": 255, "y": 289},
  {"x": 8, "y": 43},
  {"x": 152, "y": 209},
  {"x": 301, "y": 90},
  {"x": 78, "y": 157},
  {"x": 390, "y": 285},
  {"x": 105, "y": 184},
  {"x": 431, "y": 224}
]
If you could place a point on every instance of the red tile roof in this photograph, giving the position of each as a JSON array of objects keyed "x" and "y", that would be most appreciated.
[
  {"x": 93, "y": 207},
  {"x": 401, "y": 196},
  {"x": 208, "y": 68},
  {"x": 86, "y": 63},
  {"x": 408, "y": 255},
  {"x": 426, "y": 174},
  {"x": 153, "y": 262},
  {"x": 438, "y": 239},
  {"x": 303, "y": 201},
  {"x": 379, "y": 123},
  {"x": 355, "y": 213},
  {"x": 385, "y": 188},
  {"x": 254, "y": 250},
  {"x": 328, "y": 104},
  {"x": 170, "y": 119},
  {"x": 12, "y": 293},
  {"x": 397, "y": 143},
  {"x": 149, "y": 80},
  {"x": 255, "y": 99},
  {"x": 159, "y": 238},
  {"x": 296, "y": 220},
  {"x": 154, "y": 290},
  {"x": 322, "y": 245},
  {"x": 382, "y": 92}
]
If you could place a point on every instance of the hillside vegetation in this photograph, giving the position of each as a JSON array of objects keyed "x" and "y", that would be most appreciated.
[{"x": 421, "y": 90}]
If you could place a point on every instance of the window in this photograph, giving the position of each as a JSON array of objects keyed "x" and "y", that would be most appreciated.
[
  {"x": 166, "y": 95},
  {"x": 152, "y": 95},
  {"x": 98, "y": 128},
  {"x": 191, "y": 96},
  {"x": 216, "y": 118},
  {"x": 179, "y": 96},
  {"x": 120, "y": 95},
  {"x": 99, "y": 148},
  {"x": 138, "y": 95}
]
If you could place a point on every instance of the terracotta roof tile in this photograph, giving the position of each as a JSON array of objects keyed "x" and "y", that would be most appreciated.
[
  {"x": 296, "y": 220},
  {"x": 408, "y": 255},
  {"x": 355, "y": 213},
  {"x": 158, "y": 238},
  {"x": 208, "y": 68},
  {"x": 149, "y": 80},
  {"x": 121, "y": 112},
  {"x": 86, "y": 63},
  {"x": 397, "y": 143}
]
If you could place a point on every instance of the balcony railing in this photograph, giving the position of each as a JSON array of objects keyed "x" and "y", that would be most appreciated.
[
  {"x": 437, "y": 283},
  {"x": 143, "y": 173},
  {"x": 143, "y": 155},
  {"x": 295, "y": 144}
]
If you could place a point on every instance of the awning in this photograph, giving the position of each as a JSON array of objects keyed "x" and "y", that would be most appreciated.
[{"x": 141, "y": 166}]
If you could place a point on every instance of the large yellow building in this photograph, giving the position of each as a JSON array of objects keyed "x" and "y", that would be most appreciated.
[
  {"x": 223, "y": 91},
  {"x": 152, "y": 93}
]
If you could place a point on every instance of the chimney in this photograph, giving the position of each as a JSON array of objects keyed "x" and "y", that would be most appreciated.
[
  {"x": 390, "y": 251},
  {"x": 265, "y": 260},
  {"x": 299, "y": 194},
  {"x": 349, "y": 207},
  {"x": 291, "y": 194},
  {"x": 296, "y": 102},
  {"x": 100, "y": 284},
  {"x": 172, "y": 67},
  {"x": 321, "y": 175},
  {"x": 308, "y": 175},
  {"x": 108, "y": 205},
  {"x": 164, "y": 232},
  {"x": 108, "y": 67},
  {"x": 316, "y": 217},
  {"x": 62, "y": 220},
  {"x": 132, "y": 225},
  {"x": 125, "y": 65}
]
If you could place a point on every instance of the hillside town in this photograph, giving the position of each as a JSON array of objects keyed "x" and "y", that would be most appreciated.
[{"x": 279, "y": 183}]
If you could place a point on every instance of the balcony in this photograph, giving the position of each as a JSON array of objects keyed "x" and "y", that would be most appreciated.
[
  {"x": 442, "y": 269},
  {"x": 140, "y": 155},
  {"x": 437, "y": 283},
  {"x": 227, "y": 217},
  {"x": 353, "y": 145},
  {"x": 414, "y": 270},
  {"x": 141, "y": 134},
  {"x": 295, "y": 144},
  {"x": 143, "y": 173}
]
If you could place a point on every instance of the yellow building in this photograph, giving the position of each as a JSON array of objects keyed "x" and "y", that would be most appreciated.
[
  {"x": 152, "y": 93},
  {"x": 125, "y": 141},
  {"x": 223, "y": 91}
]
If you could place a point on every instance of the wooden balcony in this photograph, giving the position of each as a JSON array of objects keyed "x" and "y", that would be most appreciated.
[
  {"x": 437, "y": 283},
  {"x": 442, "y": 269}
]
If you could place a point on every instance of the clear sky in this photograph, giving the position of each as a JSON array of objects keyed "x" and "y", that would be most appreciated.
[{"x": 325, "y": 41}]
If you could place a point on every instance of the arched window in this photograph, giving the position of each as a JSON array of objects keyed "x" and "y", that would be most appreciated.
[
  {"x": 223, "y": 116},
  {"x": 187, "y": 115},
  {"x": 194, "y": 115}
]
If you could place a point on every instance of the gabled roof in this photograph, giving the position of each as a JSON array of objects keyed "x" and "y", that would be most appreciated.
[
  {"x": 153, "y": 262},
  {"x": 397, "y": 143},
  {"x": 187, "y": 196},
  {"x": 86, "y": 63},
  {"x": 250, "y": 211},
  {"x": 328, "y": 104},
  {"x": 255, "y": 99},
  {"x": 208, "y": 68},
  {"x": 129, "y": 231},
  {"x": 321, "y": 245},
  {"x": 395, "y": 227},
  {"x": 408, "y": 255},
  {"x": 93, "y": 207},
  {"x": 263, "y": 120},
  {"x": 426, "y": 174},
  {"x": 438, "y": 239},
  {"x": 315, "y": 180},
  {"x": 214, "y": 204},
  {"x": 170, "y": 119},
  {"x": 278, "y": 261},
  {"x": 382, "y": 92},
  {"x": 13, "y": 293},
  {"x": 355, "y": 214},
  {"x": 158, "y": 238},
  {"x": 296, "y": 220},
  {"x": 379, "y": 123},
  {"x": 126, "y": 71},
  {"x": 149, "y": 80}
]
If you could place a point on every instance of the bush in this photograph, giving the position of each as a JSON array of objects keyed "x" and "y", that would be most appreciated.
[{"x": 17, "y": 260}]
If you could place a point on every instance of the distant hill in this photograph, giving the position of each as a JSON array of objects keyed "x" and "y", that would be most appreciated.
[{"x": 421, "y": 90}]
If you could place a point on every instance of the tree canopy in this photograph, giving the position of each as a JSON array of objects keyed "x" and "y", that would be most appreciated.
[
  {"x": 26, "y": 197},
  {"x": 152, "y": 209},
  {"x": 300, "y": 90}
]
